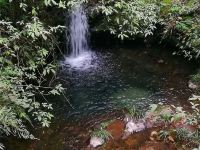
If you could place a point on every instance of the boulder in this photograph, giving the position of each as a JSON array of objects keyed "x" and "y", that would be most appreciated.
[
  {"x": 192, "y": 85},
  {"x": 133, "y": 126},
  {"x": 160, "y": 61},
  {"x": 96, "y": 141}
]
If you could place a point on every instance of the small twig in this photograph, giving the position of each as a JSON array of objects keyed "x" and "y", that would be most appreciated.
[{"x": 67, "y": 100}]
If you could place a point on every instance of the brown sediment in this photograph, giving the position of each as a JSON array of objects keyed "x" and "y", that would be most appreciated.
[{"x": 116, "y": 129}]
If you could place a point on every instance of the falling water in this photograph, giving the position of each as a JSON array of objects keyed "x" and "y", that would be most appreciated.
[
  {"x": 81, "y": 57},
  {"x": 78, "y": 31}
]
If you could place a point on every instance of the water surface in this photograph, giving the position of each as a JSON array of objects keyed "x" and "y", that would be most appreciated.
[{"x": 100, "y": 84}]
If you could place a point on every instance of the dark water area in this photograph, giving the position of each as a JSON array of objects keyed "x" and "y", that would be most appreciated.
[{"x": 100, "y": 84}]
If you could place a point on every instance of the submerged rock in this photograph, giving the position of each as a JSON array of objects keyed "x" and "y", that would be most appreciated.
[
  {"x": 96, "y": 141},
  {"x": 116, "y": 129},
  {"x": 132, "y": 126},
  {"x": 161, "y": 61},
  {"x": 192, "y": 85}
]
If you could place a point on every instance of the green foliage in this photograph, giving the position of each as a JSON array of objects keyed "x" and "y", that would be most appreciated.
[
  {"x": 101, "y": 133},
  {"x": 75, "y": 3},
  {"x": 163, "y": 134},
  {"x": 196, "y": 77},
  {"x": 184, "y": 118},
  {"x": 134, "y": 112},
  {"x": 196, "y": 137},
  {"x": 168, "y": 114},
  {"x": 28, "y": 42},
  {"x": 3, "y": 2},
  {"x": 126, "y": 19},
  {"x": 166, "y": 118},
  {"x": 12, "y": 124},
  {"x": 183, "y": 134},
  {"x": 182, "y": 22},
  {"x": 133, "y": 18},
  {"x": 194, "y": 101},
  {"x": 27, "y": 60},
  {"x": 130, "y": 19},
  {"x": 105, "y": 124}
]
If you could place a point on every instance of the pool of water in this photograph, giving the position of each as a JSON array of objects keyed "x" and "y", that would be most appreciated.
[{"x": 100, "y": 84}]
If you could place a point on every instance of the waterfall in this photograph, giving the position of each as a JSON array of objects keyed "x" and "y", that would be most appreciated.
[
  {"x": 78, "y": 31},
  {"x": 81, "y": 56}
]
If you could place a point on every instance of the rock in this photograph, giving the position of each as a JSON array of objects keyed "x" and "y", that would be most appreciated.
[
  {"x": 160, "y": 61},
  {"x": 192, "y": 86},
  {"x": 95, "y": 142},
  {"x": 127, "y": 118},
  {"x": 149, "y": 123},
  {"x": 132, "y": 126}
]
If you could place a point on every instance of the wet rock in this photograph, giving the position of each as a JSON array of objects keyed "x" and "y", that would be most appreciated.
[
  {"x": 192, "y": 85},
  {"x": 160, "y": 61},
  {"x": 116, "y": 129},
  {"x": 133, "y": 126},
  {"x": 95, "y": 142},
  {"x": 149, "y": 123},
  {"x": 127, "y": 118}
]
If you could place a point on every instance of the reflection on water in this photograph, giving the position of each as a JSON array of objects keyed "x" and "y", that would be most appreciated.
[{"x": 102, "y": 82}]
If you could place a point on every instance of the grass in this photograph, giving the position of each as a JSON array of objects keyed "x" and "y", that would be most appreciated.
[
  {"x": 101, "y": 133},
  {"x": 196, "y": 77}
]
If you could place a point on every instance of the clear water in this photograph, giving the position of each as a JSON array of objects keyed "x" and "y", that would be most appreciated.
[
  {"x": 101, "y": 85},
  {"x": 107, "y": 81}
]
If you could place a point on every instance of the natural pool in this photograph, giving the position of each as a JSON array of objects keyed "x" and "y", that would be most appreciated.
[{"x": 102, "y": 83}]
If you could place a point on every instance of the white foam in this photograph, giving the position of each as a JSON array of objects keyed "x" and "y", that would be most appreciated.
[{"x": 81, "y": 62}]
